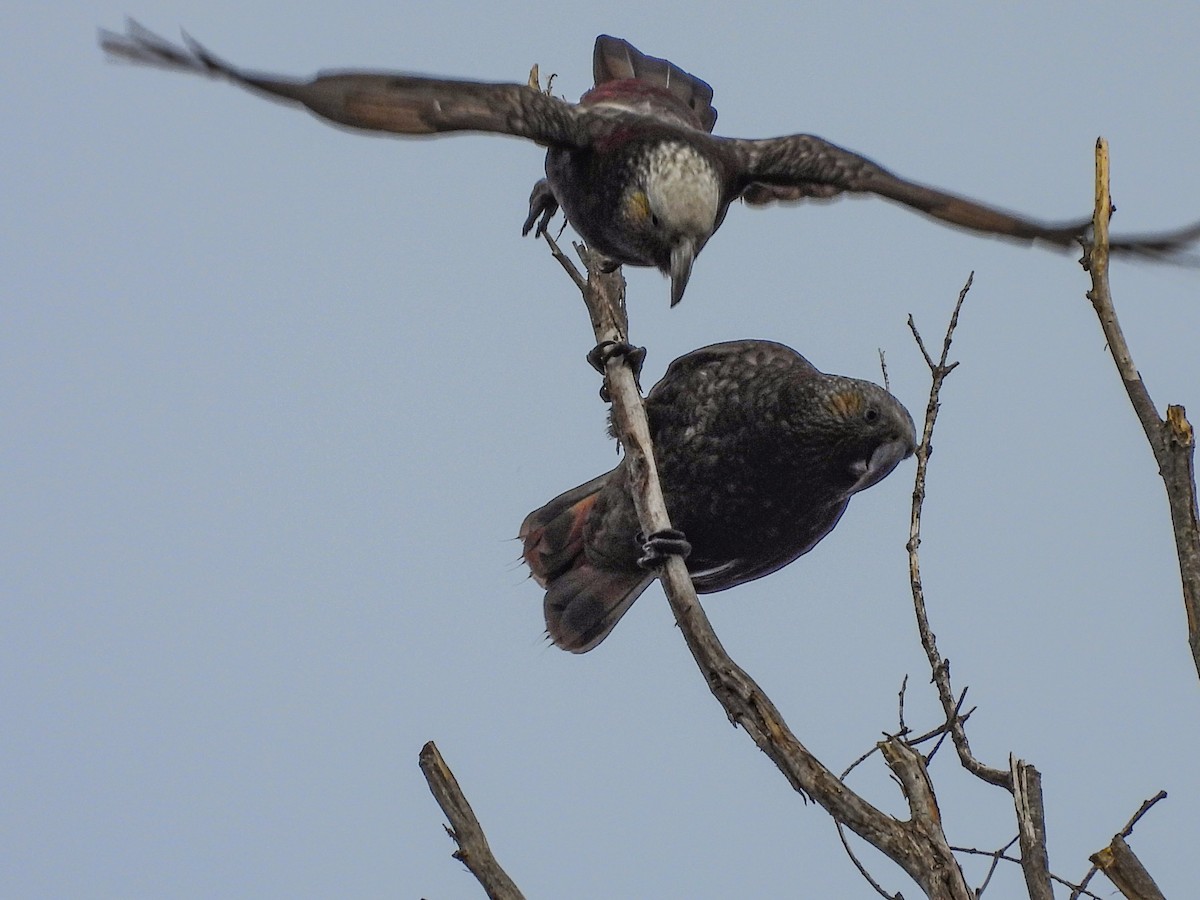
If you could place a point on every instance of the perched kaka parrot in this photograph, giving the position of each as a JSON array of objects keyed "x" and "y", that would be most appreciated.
[
  {"x": 758, "y": 453},
  {"x": 633, "y": 165}
]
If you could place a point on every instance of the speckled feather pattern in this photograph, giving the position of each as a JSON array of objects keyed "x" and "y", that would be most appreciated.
[{"x": 758, "y": 453}]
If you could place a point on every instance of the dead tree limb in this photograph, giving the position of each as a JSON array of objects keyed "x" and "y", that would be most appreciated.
[
  {"x": 1122, "y": 867},
  {"x": 1031, "y": 827},
  {"x": 1099, "y": 857},
  {"x": 1171, "y": 439},
  {"x": 473, "y": 850}
]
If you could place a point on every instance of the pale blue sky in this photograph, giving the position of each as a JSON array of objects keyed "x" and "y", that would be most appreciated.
[{"x": 276, "y": 398}]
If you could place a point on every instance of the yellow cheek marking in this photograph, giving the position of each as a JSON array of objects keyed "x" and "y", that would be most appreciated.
[
  {"x": 846, "y": 403},
  {"x": 637, "y": 207}
]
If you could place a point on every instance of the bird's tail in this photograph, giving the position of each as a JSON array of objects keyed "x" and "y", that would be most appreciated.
[
  {"x": 617, "y": 60},
  {"x": 583, "y": 602}
]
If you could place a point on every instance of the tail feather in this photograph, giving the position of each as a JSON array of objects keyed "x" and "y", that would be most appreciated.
[
  {"x": 583, "y": 602},
  {"x": 553, "y": 535},
  {"x": 616, "y": 60}
]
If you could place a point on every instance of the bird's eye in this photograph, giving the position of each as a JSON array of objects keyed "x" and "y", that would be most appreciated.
[
  {"x": 654, "y": 219},
  {"x": 871, "y": 415}
]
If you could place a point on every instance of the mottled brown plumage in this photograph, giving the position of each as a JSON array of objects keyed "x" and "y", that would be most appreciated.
[
  {"x": 633, "y": 164},
  {"x": 758, "y": 453}
]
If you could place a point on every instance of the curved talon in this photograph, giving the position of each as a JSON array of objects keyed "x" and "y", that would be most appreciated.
[{"x": 658, "y": 546}]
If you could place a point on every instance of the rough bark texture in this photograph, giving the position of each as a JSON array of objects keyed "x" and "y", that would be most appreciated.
[
  {"x": 1119, "y": 864},
  {"x": 473, "y": 849}
]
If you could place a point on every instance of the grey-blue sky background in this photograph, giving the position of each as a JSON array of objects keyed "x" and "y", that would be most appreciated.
[{"x": 276, "y": 398}]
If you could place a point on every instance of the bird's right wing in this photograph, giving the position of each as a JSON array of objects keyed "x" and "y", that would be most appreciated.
[
  {"x": 805, "y": 166},
  {"x": 376, "y": 101}
]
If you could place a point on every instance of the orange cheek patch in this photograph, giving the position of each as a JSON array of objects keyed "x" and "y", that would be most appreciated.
[{"x": 845, "y": 403}]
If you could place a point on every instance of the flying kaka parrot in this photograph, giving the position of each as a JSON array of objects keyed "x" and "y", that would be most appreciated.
[
  {"x": 758, "y": 453},
  {"x": 633, "y": 165}
]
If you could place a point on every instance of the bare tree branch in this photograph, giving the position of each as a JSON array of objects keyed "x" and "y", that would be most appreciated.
[
  {"x": 1172, "y": 440},
  {"x": 473, "y": 850},
  {"x": 937, "y": 663},
  {"x": 1031, "y": 826},
  {"x": 1122, "y": 867},
  {"x": 918, "y": 846},
  {"x": 1078, "y": 890},
  {"x": 1124, "y": 833}
]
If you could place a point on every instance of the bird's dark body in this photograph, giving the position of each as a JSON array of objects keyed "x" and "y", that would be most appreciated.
[
  {"x": 634, "y": 164},
  {"x": 592, "y": 184},
  {"x": 591, "y": 187},
  {"x": 758, "y": 453}
]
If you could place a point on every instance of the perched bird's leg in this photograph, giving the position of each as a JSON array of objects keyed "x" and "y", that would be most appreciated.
[
  {"x": 599, "y": 356},
  {"x": 658, "y": 546}
]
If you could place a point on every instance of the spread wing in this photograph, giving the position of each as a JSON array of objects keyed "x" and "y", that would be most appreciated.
[
  {"x": 379, "y": 101},
  {"x": 804, "y": 166}
]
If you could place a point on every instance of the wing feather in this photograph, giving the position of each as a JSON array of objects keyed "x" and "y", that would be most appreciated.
[
  {"x": 378, "y": 101},
  {"x": 802, "y": 165}
]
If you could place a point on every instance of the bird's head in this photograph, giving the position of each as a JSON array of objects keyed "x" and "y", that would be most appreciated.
[
  {"x": 674, "y": 207},
  {"x": 871, "y": 428}
]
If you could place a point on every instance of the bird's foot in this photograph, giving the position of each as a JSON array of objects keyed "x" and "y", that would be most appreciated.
[
  {"x": 543, "y": 203},
  {"x": 658, "y": 546},
  {"x": 608, "y": 266},
  {"x": 599, "y": 356}
]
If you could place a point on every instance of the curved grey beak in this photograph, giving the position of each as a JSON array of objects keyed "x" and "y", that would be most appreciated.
[
  {"x": 682, "y": 256},
  {"x": 885, "y": 458}
]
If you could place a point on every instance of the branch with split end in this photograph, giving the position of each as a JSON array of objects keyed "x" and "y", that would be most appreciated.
[
  {"x": 1031, "y": 826},
  {"x": 1172, "y": 441},
  {"x": 473, "y": 850}
]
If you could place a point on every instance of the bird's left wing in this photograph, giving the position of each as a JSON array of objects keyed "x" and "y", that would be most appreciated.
[
  {"x": 804, "y": 166},
  {"x": 375, "y": 101}
]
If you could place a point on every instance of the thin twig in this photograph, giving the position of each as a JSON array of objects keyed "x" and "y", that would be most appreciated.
[
  {"x": 987, "y": 879},
  {"x": 937, "y": 663},
  {"x": 946, "y": 727},
  {"x": 1004, "y": 857},
  {"x": 473, "y": 850},
  {"x": 1172, "y": 440},
  {"x": 862, "y": 870}
]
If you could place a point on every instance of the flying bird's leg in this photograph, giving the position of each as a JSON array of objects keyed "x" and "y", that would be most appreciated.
[
  {"x": 599, "y": 356},
  {"x": 542, "y": 202},
  {"x": 658, "y": 546}
]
